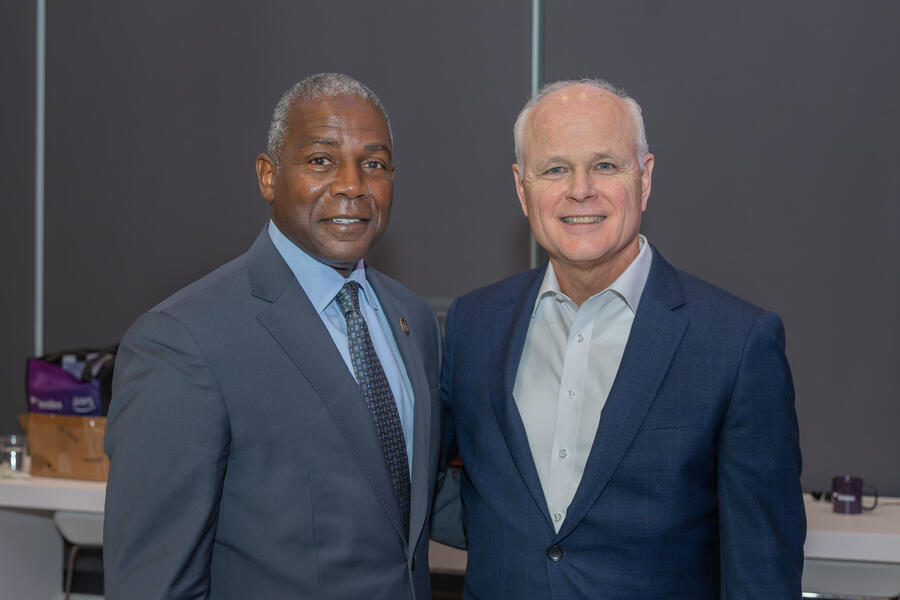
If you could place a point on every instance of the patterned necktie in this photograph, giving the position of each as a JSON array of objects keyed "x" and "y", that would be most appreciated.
[{"x": 377, "y": 392}]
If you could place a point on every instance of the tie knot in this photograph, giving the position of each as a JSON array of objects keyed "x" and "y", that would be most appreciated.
[{"x": 348, "y": 298}]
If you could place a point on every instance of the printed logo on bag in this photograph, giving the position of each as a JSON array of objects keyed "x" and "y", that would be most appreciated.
[
  {"x": 83, "y": 404},
  {"x": 48, "y": 404}
]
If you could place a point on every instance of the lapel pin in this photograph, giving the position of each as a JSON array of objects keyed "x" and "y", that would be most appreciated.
[{"x": 404, "y": 326}]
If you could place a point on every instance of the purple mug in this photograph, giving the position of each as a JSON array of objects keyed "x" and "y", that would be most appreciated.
[{"x": 847, "y": 493}]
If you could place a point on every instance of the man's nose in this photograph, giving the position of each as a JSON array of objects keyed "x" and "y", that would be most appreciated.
[
  {"x": 349, "y": 181},
  {"x": 581, "y": 186}
]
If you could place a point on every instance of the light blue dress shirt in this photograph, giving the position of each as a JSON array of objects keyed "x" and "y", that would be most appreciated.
[
  {"x": 570, "y": 359},
  {"x": 321, "y": 284}
]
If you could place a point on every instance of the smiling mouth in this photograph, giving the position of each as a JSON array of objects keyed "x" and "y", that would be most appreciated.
[
  {"x": 583, "y": 220},
  {"x": 345, "y": 220}
]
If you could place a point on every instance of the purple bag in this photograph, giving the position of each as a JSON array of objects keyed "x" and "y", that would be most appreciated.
[{"x": 71, "y": 382}]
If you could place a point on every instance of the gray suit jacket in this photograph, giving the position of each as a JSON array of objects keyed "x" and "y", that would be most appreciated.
[{"x": 244, "y": 462}]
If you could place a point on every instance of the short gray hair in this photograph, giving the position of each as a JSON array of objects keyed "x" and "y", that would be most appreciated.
[
  {"x": 316, "y": 87},
  {"x": 640, "y": 142}
]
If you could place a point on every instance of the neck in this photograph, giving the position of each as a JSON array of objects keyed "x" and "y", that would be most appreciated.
[{"x": 580, "y": 281}]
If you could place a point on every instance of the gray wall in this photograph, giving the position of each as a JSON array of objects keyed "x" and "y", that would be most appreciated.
[
  {"x": 17, "y": 57},
  {"x": 156, "y": 112},
  {"x": 771, "y": 123},
  {"x": 774, "y": 126}
]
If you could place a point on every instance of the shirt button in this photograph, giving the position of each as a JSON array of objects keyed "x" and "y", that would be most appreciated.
[
  {"x": 554, "y": 553},
  {"x": 557, "y": 517},
  {"x": 579, "y": 338},
  {"x": 563, "y": 453},
  {"x": 571, "y": 394}
]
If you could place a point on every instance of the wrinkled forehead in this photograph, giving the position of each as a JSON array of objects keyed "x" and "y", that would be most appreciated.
[{"x": 579, "y": 111}]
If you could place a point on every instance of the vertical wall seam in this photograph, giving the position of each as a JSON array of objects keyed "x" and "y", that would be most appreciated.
[
  {"x": 537, "y": 27},
  {"x": 536, "y": 42},
  {"x": 39, "y": 124}
]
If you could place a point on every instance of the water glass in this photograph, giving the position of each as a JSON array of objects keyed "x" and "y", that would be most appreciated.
[{"x": 14, "y": 453}]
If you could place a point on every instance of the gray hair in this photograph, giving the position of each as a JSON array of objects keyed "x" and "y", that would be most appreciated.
[
  {"x": 640, "y": 142},
  {"x": 316, "y": 87}
]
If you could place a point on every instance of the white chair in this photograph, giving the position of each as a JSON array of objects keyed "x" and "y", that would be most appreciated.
[{"x": 82, "y": 530}]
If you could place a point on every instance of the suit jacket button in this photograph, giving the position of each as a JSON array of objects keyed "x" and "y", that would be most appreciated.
[{"x": 554, "y": 553}]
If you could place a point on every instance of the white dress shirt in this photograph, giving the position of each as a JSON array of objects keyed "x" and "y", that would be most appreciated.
[
  {"x": 568, "y": 365},
  {"x": 321, "y": 284}
]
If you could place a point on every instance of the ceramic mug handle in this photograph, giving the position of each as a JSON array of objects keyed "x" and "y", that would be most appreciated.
[{"x": 872, "y": 492}]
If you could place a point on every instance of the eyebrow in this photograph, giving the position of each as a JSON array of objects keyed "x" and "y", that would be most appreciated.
[{"x": 377, "y": 148}]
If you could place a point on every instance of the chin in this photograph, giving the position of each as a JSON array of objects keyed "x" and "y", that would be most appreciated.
[
  {"x": 347, "y": 255},
  {"x": 586, "y": 255}
]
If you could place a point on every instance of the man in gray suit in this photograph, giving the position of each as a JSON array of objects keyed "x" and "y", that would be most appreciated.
[{"x": 274, "y": 428}]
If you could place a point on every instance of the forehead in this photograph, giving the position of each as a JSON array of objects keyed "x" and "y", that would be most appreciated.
[
  {"x": 580, "y": 117},
  {"x": 344, "y": 116}
]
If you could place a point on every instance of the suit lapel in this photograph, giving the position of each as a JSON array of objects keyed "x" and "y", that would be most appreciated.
[
  {"x": 415, "y": 370},
  {"x": 511, "y": 329},
  {"x": 299, "y": 330},
  {"x": 655, "y": 335}
]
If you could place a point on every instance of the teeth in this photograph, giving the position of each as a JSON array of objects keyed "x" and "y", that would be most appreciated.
[
  {"x": 343, "y": 221},
  {"x": 583, "y": 220}
]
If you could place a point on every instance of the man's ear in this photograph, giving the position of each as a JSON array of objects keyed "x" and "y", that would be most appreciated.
[
  {"x": 646, "y": 179},
  {"x": 265, "y": 175},
  {"x": 520, "y": 189}
]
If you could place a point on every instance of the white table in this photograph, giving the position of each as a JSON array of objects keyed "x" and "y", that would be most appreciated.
[
  {"x": 444, "y": 559},
  {"x": 853, "y": 555},
  {"x": 34, "y": 515}
]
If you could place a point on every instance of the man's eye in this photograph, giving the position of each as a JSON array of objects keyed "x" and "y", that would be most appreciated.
[
  {"x": 554, "y": 171},
  {"x": 374, "y": 164},
  {"x": 605, "y": 166},
  {"x": 320, "y": 161}
]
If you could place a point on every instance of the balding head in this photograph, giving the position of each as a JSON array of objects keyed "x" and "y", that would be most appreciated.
[{"x": 633, "y": 108}]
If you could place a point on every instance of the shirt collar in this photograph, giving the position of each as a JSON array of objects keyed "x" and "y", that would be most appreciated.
[
  {"x": 629, "y": 285},
  {"x": 320, "y": 282}
]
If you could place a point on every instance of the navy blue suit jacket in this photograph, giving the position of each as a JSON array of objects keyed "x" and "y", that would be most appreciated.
[{"x": 691, "y": 489}]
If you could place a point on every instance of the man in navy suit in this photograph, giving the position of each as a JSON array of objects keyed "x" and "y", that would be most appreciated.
[{"x": 626, "y": 430}]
